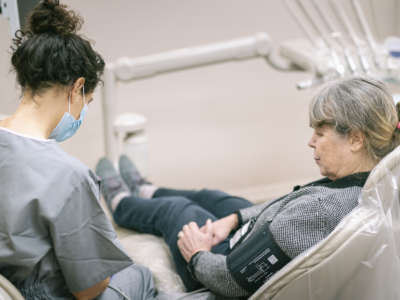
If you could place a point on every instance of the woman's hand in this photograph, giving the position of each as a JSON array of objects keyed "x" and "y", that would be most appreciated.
[
  {"x": 222, "y": 228},
  {"x": 192, "y": 240},
  {"x": 93, "y": 291}
]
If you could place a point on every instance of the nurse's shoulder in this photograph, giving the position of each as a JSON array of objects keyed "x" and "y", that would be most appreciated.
[
  {"x": 66, "y": 182},
  {"x": 70, "y": 170}
]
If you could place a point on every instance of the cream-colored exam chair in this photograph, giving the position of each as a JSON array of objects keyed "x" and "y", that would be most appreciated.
[
  {"x": 359, "y": 260},
  {"x": 8, "y": 291}
]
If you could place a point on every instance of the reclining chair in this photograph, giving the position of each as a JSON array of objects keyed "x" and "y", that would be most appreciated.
[
  {"x": 360, "y": 259},
  {"x": 8, "y": 291}
]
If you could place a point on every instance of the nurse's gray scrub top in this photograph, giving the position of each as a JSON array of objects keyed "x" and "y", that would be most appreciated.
[{"x": 54, "y": 235}]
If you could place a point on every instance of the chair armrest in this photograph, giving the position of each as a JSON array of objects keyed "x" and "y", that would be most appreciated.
[{"x": 8, "y": 291}]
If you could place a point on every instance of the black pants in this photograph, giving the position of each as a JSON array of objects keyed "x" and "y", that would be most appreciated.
[{"x": 166, "y": 213}]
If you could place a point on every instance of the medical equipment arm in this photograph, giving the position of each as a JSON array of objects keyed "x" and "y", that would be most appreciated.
[{"x": 129, "y": 69}]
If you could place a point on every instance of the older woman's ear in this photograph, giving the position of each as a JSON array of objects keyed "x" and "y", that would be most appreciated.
[{"x": 357, "y": 140}]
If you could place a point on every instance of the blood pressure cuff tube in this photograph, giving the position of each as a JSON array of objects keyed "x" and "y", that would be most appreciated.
[{"x": 256, "y": 259}]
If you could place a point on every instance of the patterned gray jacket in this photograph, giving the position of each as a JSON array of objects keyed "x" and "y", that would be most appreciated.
[{"x": 297, "y": 221}]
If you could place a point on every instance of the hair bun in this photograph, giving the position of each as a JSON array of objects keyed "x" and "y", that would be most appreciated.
[{"x": 49, "y": 16}]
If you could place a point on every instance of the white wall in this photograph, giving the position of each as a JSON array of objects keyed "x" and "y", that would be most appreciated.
[{"x": 229, "y": 126}]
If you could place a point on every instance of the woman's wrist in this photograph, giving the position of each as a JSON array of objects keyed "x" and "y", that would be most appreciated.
[
  {"x": 190, "y": 265},
  {"x": 234, "y": 221}
]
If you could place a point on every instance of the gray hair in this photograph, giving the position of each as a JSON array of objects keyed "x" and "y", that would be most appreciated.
[{"x": 363, "y": 104}]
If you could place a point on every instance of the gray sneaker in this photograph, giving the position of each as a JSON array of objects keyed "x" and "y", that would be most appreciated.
[
  {"x": 111, "y": 182},
  {"x": 130, "y": 174}
]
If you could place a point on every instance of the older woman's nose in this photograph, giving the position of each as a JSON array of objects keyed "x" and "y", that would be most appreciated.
[{"x": 311, "y": 142}]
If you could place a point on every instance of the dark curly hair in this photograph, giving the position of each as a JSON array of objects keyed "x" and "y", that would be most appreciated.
[{"x": 49, "y": 52}]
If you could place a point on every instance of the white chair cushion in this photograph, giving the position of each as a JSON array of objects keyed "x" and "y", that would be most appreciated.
[{"x": 8, "y": 291}]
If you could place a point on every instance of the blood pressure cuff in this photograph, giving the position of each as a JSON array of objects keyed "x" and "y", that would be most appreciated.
[{"x": 256, "y": 259}]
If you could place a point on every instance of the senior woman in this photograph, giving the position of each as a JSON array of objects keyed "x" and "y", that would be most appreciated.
[{"x": 231, "y": 246}]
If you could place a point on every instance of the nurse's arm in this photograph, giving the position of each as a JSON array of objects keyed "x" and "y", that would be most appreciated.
[{"x": 93, "y": 291}]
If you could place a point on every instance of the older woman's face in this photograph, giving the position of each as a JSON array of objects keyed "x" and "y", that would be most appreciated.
[{"x": 332, "y": 152}]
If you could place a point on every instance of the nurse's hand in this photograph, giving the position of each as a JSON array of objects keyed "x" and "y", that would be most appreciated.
[
  {"x": 192, "y": 240},
  {"x": 222, "y": 228},
  {"x": 93, "y": 291}
]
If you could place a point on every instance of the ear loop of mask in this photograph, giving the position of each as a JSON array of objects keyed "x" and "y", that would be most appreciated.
[
  {"x": 69, "y": 103},
  {"x": 84, "y": 99}
]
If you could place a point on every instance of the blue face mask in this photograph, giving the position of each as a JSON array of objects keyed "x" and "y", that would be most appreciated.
[{"x": 68, "y": 126}]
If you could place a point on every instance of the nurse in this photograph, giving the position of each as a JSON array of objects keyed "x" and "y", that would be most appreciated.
[{"x": 55, "y": 241}]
